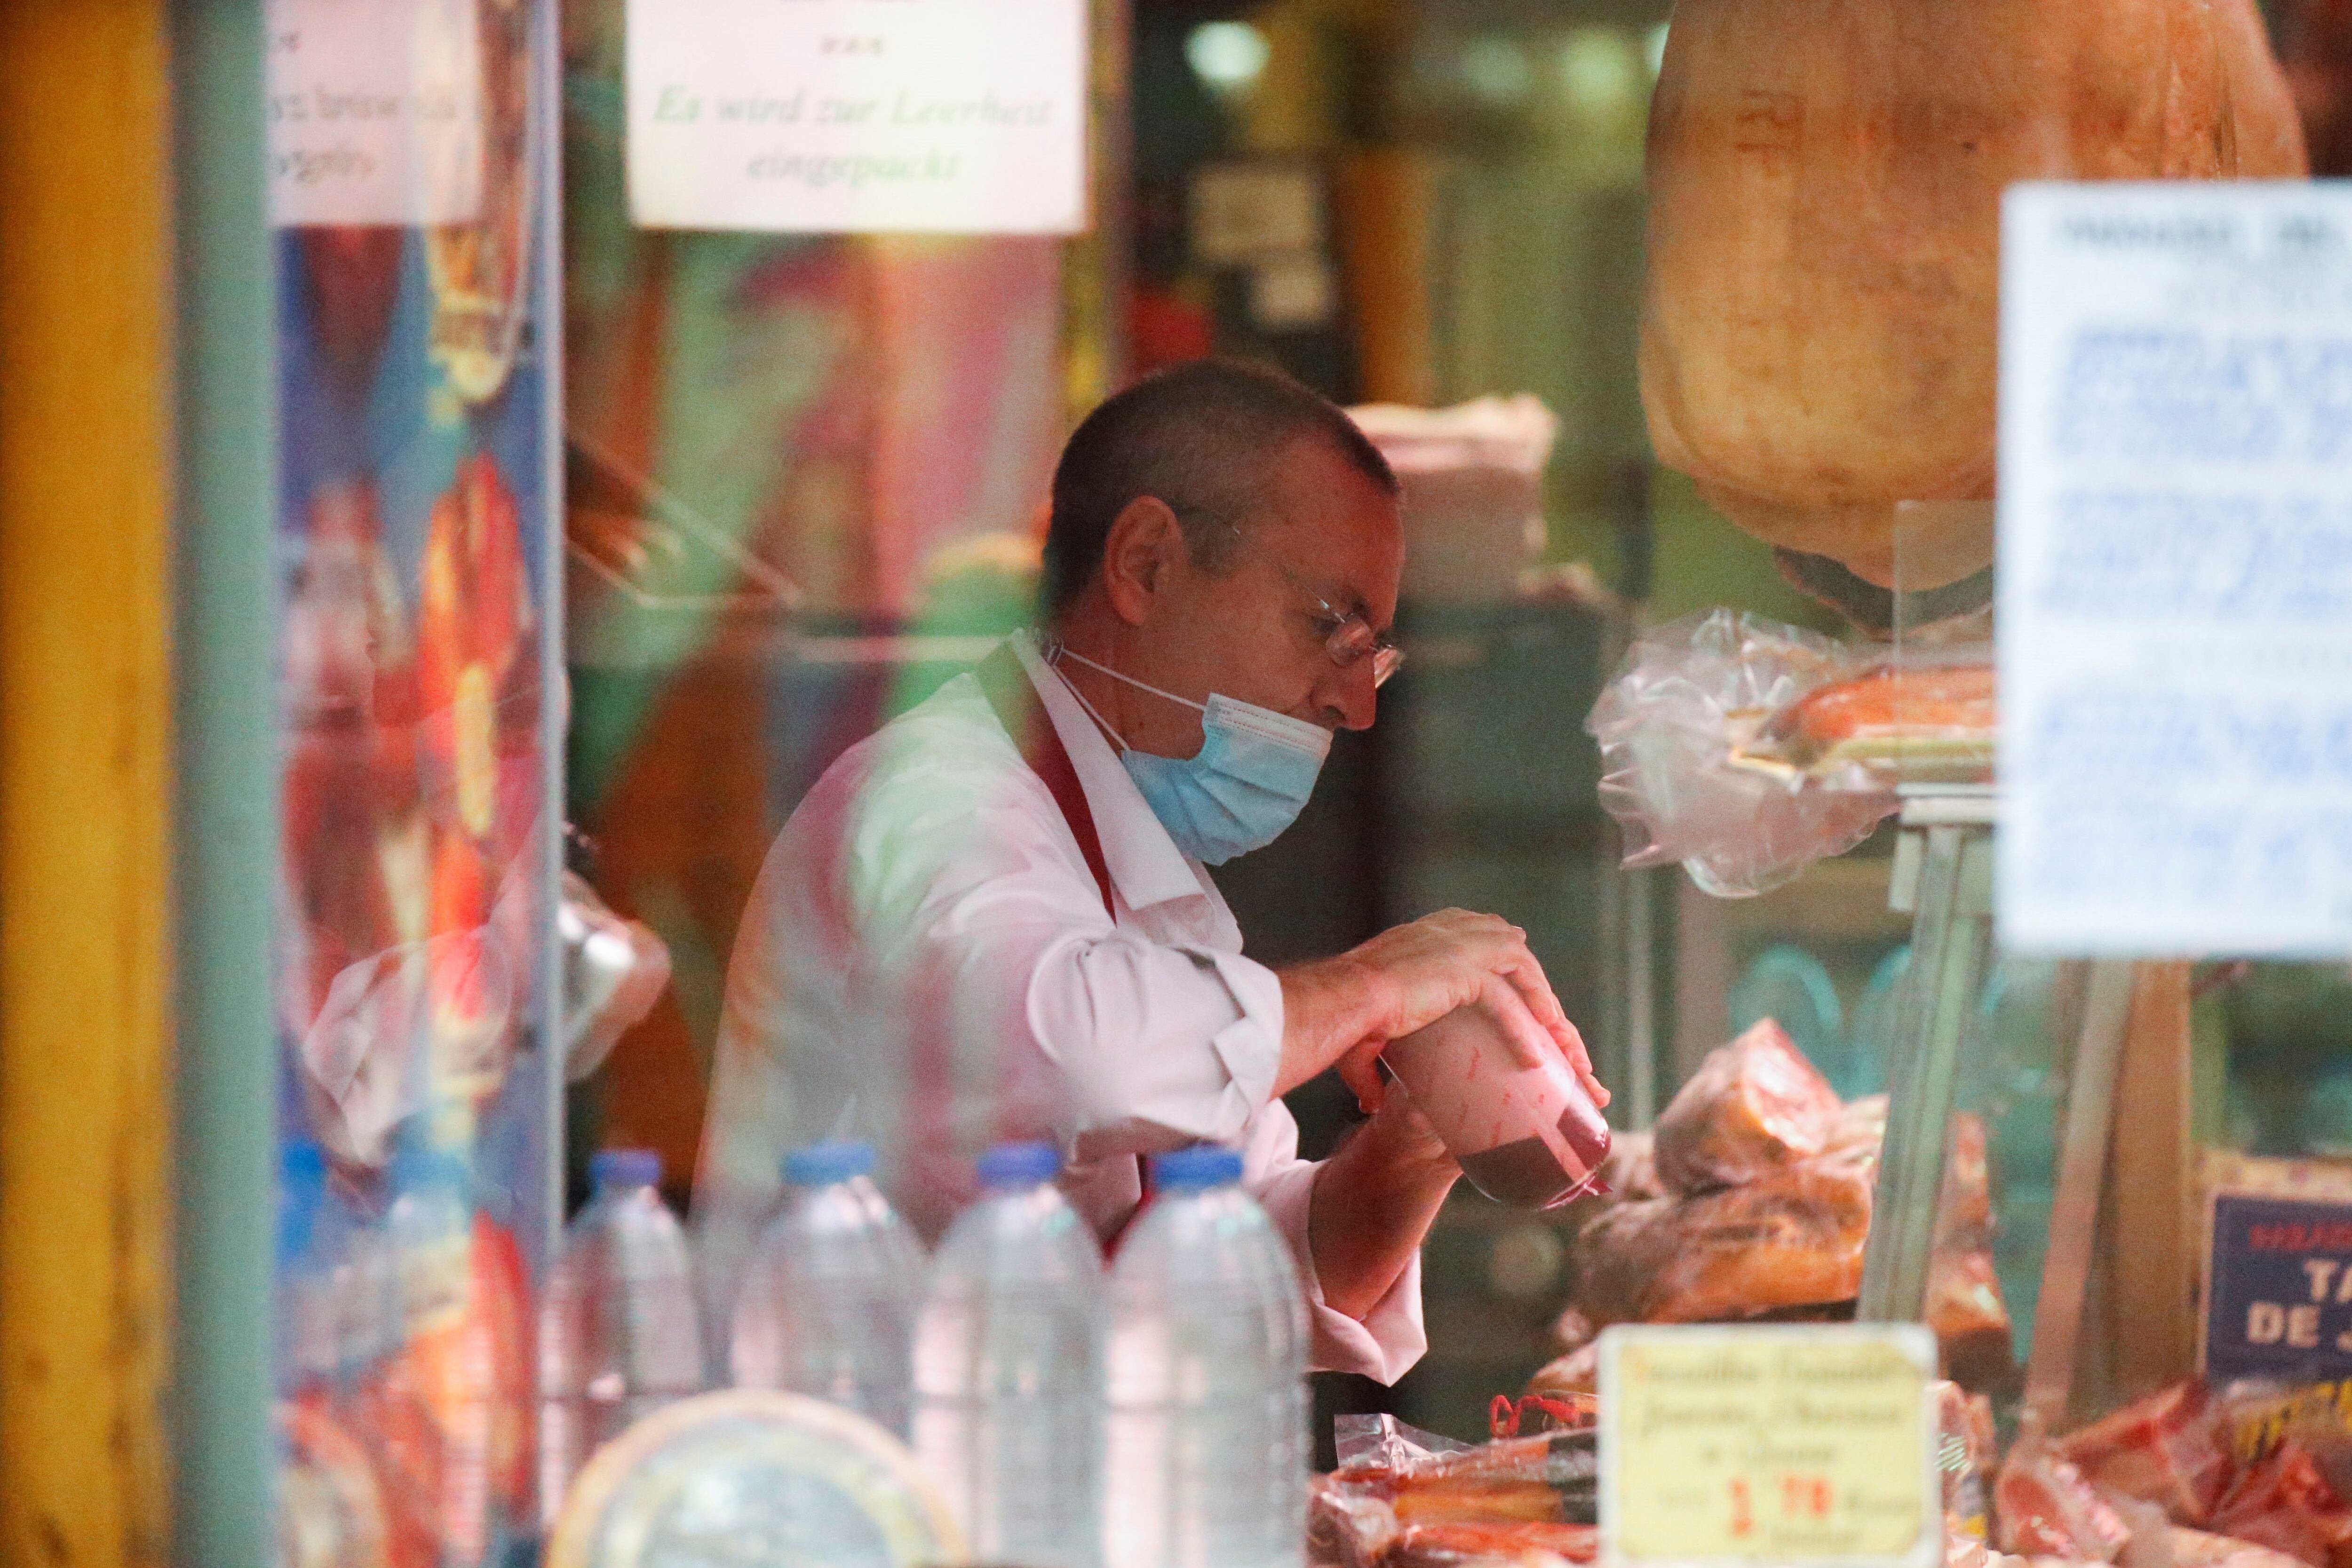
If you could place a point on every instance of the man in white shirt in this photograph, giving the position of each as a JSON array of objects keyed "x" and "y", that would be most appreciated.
[{"x": 992, "y": 918}]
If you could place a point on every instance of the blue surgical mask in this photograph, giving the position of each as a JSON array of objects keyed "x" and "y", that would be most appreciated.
[{"x": 1249, "y": 780}]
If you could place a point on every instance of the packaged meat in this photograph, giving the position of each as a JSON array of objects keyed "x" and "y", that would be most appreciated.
[
  {"x": 1631, "y": 1171},
  {"x": 1688, "y": 695},
  {"x": 1753, "y": 1107},
  {"x": 1818, "y": 327},
  {"x": 1791, "y": 1239},
  {"x": 1964, "y": 1202},
  {"x": 1479, "y": 1544},
  {"x": 1860, "y": 1133},
  {"x": 2167, "y": 1448},
  {"x": 1349, "y": 1525},
  {"x": 2045, "y": 1507},
  {"x": 2284, "y": 1502},
  {"x": 1889, "y": 725},
  {"x": 1402, "y": 1499},
  {"x": 1970, "y": 1321},
  {"x": 1964, "y": 1458},
  {"x": 1575, "y": 1375},
  {"x": 2255, "y": 1418},
  {"x": 2197, "y": 1549}
]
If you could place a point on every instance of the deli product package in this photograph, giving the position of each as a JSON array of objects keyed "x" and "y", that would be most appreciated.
[
  {"x": 1753, "y": 1107},
  {"x": 1402, "y": 1499}
]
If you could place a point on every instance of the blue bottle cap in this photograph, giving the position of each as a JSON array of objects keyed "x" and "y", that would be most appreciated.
[
  {"x": 302, "y": 1163},
  {"x": 302, "y": 1189},
  {"x": 1019, "y": 1165},
  {"x": 1189, "y": 1169},
  {"x": 821, "y": 1164},
  {"x": 624, "y": 1168}
]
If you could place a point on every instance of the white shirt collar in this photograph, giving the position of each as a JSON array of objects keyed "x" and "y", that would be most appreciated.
[{"x": 1144, "y": 862}]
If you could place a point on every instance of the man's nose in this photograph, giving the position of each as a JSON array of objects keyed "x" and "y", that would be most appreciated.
[{"x": 1349, "y": 697}]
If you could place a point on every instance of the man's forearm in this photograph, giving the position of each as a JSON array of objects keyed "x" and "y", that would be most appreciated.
[
  {"x": 1328, "y": 1006},
  {"x": 1373, "y": 1202}
]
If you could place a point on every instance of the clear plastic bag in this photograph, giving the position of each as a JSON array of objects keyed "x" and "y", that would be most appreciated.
[
  {"x": 1674, "y": 726},
  {"x": 1408, "y": 1499}
]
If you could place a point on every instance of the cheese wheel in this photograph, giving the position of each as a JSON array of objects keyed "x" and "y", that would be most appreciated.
[
  {"x": 754, "y": 1475},
  {"x": 1818, "y": 328}
]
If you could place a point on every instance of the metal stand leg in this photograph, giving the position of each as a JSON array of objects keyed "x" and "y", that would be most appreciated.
[{"x": 1948, "y": 846}]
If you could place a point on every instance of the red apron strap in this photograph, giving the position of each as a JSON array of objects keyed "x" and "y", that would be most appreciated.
[{"x": 1006, "y": 686}]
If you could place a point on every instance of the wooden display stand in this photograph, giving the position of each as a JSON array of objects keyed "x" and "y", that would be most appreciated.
[{"x": 2123, "y": 1228}]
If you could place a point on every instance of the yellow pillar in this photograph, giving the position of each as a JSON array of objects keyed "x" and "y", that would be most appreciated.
[{"x": 85, "y": 390}]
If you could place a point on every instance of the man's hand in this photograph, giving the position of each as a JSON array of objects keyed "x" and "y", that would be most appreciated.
[{"x": 1341, "y": 1011}]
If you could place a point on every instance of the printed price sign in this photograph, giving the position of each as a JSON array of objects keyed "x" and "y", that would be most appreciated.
[
  {"x": 375, "y": 111},
  {"x": 849, "y": 116},
  {"x": 1793, "y": 1445},
  {"x": 2175, "y": 577},
  {"x": 2278, "y": 1297}
]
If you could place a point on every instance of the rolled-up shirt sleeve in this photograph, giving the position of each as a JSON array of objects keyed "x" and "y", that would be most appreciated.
[
  {"x": 1387, "y": 1341},
  {"x": 987, "y": 924}
]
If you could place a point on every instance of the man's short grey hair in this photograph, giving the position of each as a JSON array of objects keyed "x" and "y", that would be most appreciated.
[{"x": 1205, "y": 439}]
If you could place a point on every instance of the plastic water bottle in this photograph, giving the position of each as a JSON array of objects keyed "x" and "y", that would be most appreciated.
[
  {"x": 1206, "y": 1452},
  {"x": 619, "y": 1337},
  {"x": 442, "y": 1381},
  {"x": 306, "y": 1326},
  {"x": 1008, "y": 1368},
  {"x": 829, "y": 1300}
]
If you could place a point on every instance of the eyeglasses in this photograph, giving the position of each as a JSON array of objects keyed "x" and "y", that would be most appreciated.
[{"x": 1348, "y": 637}]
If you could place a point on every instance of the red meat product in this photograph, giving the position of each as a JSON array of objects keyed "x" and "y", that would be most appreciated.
[
  {"x": 2047, "y": 1509},
  {"x": 1970, "y": 1320},
  {"x": 1931, "y": 713},
  {"x": 1753, "y": 1107},
  {"x": 1792, "y": 1239},
  {"x": 1484, "y": 1544},
  {"x": 1964, "y": 1203},
  {"x": 2286, "y": 1503},
  {"x": 1860, "y": 1133},
  {"x": 2196, "y": 1549},
  {"x": 2167, "y": 1448},
  {"x": 1348, "y": 1523}
]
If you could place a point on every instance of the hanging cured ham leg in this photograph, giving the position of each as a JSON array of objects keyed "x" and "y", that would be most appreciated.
[
  {"x": 2270, "y": 134},
  {"x": 1818, "y": 329}
]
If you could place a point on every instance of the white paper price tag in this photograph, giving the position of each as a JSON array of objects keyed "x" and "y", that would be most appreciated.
[
  {"x": 374, "y": 112},
  {"x": 1803, "y": 1445}
]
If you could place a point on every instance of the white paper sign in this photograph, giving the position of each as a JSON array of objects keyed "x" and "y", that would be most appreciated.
[
  {"x": 858, "y": 116},
  {"x": 2175, "y": 573},
  {"x": 374, "y": 112}
]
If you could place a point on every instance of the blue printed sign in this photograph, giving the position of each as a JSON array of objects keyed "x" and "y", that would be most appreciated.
[{"x": 2278, "y": 1300}]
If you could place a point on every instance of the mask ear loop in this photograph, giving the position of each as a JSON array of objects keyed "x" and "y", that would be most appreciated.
[
  {"x": 1061, "y": 651},
  {"x": 1054, "y": 650}
]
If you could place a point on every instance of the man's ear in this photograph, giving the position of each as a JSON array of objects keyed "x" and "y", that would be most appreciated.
[{"x": 1141, "y": 551}]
